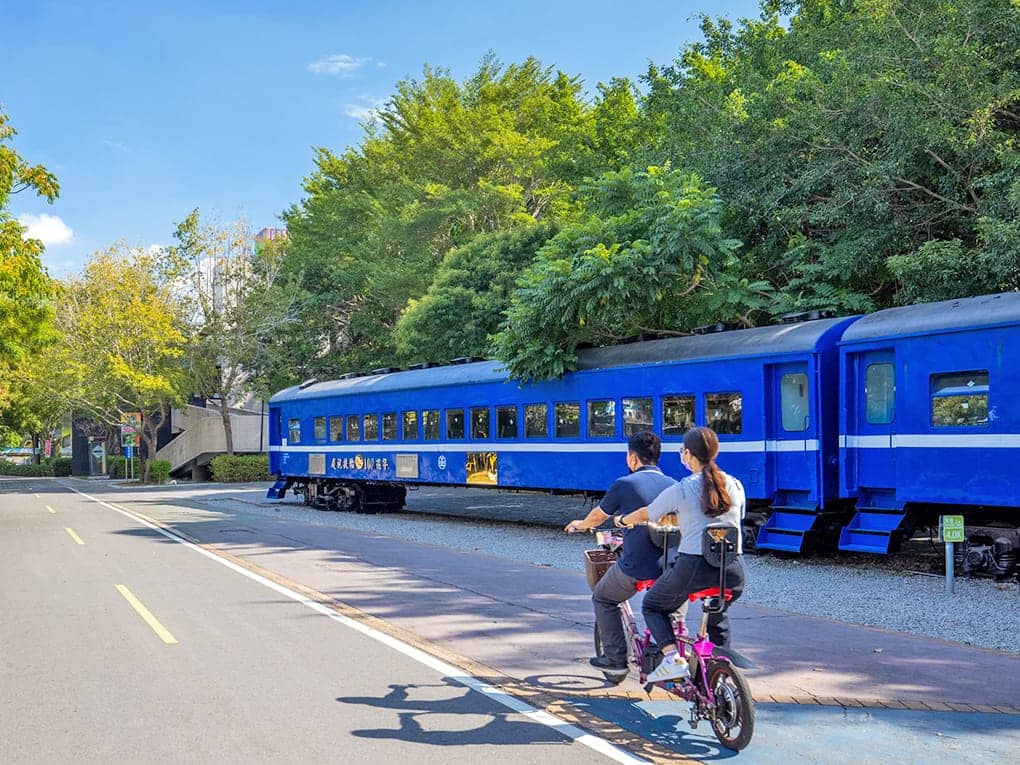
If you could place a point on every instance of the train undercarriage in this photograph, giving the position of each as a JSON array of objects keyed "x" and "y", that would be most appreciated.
[{"x": 351, "y": 496}]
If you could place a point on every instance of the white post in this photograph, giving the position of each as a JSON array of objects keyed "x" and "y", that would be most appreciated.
[{"x": 949, "y": 568}]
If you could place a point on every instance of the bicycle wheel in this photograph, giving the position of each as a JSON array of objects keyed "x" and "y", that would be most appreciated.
[
  {"x": 733, "y": 720},
  {"x": 614, "y": 677}
]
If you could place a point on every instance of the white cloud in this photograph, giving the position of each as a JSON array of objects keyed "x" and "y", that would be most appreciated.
[
  {"x": 49, "y": 229},
  {"x": 341, "y": 64},
  {"x": 117, "y": 145},
  {"x": 365, "y": 111}
]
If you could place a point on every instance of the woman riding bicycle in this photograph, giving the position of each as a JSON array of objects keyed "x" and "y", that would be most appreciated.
[{"x": 707, "y": 497}]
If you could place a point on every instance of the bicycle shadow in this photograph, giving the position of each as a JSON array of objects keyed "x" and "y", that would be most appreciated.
[{"x": 442, "y": 719}]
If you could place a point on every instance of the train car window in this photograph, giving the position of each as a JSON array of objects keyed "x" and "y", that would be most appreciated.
[
  {"x": 480, "y": 422},
  {"x": 793, "y": 400},
  {"x": 319, "y": 428},
  {"x": 389, "y": 426},
  {"x": 293, "y": 431},
  {"x": 677, "y": 415},
  {"x": 506, "y": 422},
  {"x": 879, "y": 394},
  {"x": 410, "y": 426},
  {"x": 430, "y": 424},
  {"x": 371, "y": 426},
  {"x": 637, "y": 415},
  {"x": 601, "y": 419},
  {"x": 454, "y": 424},
  {"x": 536, "y": 421},
  {"x": 353, "y": 427},
  {"x": 336, "y": 428},
  {"x": 568, "y": 420},
  {"x": 724, "y": 412},
  {"x": 960, "y": 399}
]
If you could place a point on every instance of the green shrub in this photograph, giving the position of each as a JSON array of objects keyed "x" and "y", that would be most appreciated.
[
  {"x": 25, "y": 471},
  {"x": 61, "y": 466},
  {"x": 159, "y": 471},
  {"x": 240, "y": 468},
  {"x": 117, "y": 466}
]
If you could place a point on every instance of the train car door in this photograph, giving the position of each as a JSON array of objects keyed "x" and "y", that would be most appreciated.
[
  {"x": 791, "y": 446},
  {"x": 872, "y": 422}
]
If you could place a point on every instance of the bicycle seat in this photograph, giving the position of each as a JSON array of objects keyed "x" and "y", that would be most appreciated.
[
  {"x": 710, "y": 592},
  {"x": 643, "y": 584}
]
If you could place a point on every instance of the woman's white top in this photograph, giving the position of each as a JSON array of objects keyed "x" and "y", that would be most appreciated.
[{"x": 684, "y": 499}]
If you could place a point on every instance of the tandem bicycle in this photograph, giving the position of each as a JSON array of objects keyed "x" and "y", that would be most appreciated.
[{"x": 715, "y": 687}]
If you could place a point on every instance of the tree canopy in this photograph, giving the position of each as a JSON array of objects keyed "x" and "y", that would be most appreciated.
[
  {"x": 844, "y": 155},
  {"x": 865, "y": 151},
  {"x": 122, "y": 338},
  {"x": 25, "y": 289},
  {"x": 444, "y": 162}
]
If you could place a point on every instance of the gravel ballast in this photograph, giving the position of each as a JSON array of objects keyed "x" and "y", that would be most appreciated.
[{"x": 981, "y": 613}]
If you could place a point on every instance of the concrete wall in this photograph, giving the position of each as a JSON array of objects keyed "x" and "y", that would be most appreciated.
[{"x": 200, "y": 436}]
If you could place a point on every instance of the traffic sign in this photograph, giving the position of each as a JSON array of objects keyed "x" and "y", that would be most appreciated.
[
  {"x": 128, "y": 451},
  {"x": 951, "y": 528},
  {"x": 97, "y": 451},
  {"x": 129, "y": 439}
]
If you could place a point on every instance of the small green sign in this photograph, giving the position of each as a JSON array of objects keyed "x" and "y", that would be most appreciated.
[{"x": 952, "y": 528}]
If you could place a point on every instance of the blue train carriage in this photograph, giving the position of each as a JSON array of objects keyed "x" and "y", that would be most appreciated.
[
  {"x": 929, "y": 422},
  {"x": 769, "y": 392}
]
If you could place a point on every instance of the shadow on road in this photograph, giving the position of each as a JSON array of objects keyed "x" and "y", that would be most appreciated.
[{"x": 448, "y": 714}]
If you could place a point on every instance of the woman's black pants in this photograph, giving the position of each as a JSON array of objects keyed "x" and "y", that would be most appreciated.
[{"x": 690, "y": 573}]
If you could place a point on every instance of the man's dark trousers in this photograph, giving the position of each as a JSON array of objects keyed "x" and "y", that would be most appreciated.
[{"x": 613, "y": 588}]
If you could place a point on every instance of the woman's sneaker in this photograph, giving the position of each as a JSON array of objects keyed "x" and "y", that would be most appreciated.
[{"x": 673, "y": 667}]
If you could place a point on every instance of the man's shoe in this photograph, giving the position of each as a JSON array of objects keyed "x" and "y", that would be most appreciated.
[
  {"x": 608, "y": 667},
  {"x": 669, "y": 669}
]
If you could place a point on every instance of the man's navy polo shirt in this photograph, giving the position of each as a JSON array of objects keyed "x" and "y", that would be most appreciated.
[{"x": 641, "y": 556}]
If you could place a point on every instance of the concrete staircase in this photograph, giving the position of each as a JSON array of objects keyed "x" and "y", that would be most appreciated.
[{"x": 199, "y": 437}]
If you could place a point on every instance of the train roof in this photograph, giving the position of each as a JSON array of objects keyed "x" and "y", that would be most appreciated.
[
  {"x": 929, "y": 318},
  {"x": 779, "y": 339}
]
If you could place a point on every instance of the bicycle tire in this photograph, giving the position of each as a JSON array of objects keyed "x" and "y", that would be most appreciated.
[{"x": 734, "y": 706}]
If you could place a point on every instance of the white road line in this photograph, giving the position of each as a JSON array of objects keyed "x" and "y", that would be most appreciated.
[{"x": 456, "y": 674}]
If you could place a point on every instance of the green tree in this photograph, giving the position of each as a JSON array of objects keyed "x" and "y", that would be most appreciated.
[
  {"x": 649, "y": 256},
  {"x": 219, "y": 261},
  {"x": 122, "y": 339},
  {"x": 866, "y": 151},
  {"x": 464, "y": 305},
  {"x": 444, "y": 162},
  {"x": 25, "y": 290}
]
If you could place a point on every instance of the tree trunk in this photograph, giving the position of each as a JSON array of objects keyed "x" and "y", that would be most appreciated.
[
  {"x": 146, "y": 433},
  {"x": 228, "y": 431}
]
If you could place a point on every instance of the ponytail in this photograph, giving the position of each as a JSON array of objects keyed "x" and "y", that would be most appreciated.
[
  {"x": 714, "y": 499},
  {"x": 703, "y": 443}
]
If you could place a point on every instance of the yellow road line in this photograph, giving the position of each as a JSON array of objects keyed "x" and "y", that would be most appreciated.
[
  {"x": 37, "y": 496},
  {"x": 143, "y": 612},
  {"x": 74, "y": 536},
  {"x": 51, "y": 509}
]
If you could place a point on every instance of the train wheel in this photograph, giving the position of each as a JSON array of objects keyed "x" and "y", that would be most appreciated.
[{"x": 733, "y": 720}]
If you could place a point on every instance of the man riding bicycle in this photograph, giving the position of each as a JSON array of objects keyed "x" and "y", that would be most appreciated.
[{"x": 641, "y": 557}]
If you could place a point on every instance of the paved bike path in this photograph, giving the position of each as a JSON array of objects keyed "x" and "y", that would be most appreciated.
[{"x": 533, "y": 625}]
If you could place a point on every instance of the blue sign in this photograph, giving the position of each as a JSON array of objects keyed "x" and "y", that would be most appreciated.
[{"x": 128, "y": 451}]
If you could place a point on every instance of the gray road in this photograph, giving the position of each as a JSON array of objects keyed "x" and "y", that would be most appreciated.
[{"x": 249, "y": 675}]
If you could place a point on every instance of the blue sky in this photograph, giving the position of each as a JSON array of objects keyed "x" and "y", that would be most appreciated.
[{"x": 145, "y": 110}]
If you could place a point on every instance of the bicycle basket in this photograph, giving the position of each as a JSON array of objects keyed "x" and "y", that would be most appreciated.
[{"x": 596, "y": 564}]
